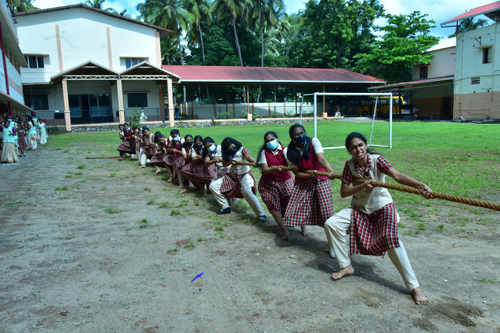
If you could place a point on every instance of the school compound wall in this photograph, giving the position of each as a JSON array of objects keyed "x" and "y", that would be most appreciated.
[{"x": 189, "y": 124}]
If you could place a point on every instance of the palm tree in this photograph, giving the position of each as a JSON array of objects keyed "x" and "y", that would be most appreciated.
[
  {"x": 20, "y": 6},
  {"x": 169, "y": 52},
  {"x": 170, "y": 14},
  {"x": 202, "y": 14},
  {"x": 234, "y": 8},
  {"x": 266, "y": 12},
  {"x": 98, "y": 4},
  {"x": 468, "y": 24}
]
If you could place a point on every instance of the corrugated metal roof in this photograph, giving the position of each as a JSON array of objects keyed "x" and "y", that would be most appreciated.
[
  {"x": 412, "y": 83},
  {"x": 444, "y": 44},
  {"x": 234, "y": 74},
  {"x": 486, "y": 9}
]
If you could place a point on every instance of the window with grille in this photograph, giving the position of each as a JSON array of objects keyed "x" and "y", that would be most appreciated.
[
  {"x": 129, "y": 62},
  {"x": 35, "y": 61},
  {"x": 423, "y": 72},
  {"x": 475, "y": 80}
]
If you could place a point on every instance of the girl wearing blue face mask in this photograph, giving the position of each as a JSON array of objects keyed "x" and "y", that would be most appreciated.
[
  {"x": 239, "y": 181},
  {"x": 275, "y": 185},
  {"x": 311, "y": 202},
  {"x": 171, "y": 158}
]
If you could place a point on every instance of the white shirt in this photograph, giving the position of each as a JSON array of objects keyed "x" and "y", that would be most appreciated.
[
  {"x": 318, "y": 149},
  {"x": 239, "y": 157},
  {"x": 263, "y": 159},
  {"x": 170, "y": 145}
]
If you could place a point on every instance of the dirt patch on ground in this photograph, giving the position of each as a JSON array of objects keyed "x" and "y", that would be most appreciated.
[{"x": 85, "y": 247}]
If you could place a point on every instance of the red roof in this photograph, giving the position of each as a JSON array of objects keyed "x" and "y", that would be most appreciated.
[
  {"x": 490, "y": 10},
  {"x": 234, "y": 74},
  {"x": 412, "y": 83}
]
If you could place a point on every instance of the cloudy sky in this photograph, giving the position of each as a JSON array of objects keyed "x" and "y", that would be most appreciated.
[{"x": 438, "y": 10}]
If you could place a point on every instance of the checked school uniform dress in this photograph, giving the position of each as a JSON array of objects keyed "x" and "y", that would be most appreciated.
[
  {"x": 311, "y": 202},
  {"x": 237, "y": 183},
  {"x": 170, "y": 156},
  {"x": 128, "y": 145},
  {"x": 373, "y": 221},
  {"x": 197, "y": 172},
  {"x": 276, "y": 188},
  {"x": 147, "y": 151},
  {"x": 158, "y": 157}
]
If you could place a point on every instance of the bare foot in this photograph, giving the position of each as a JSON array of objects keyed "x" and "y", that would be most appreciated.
[
  {"x": 120, "y": 159},
  {"x": 349, "y": 270},
  {"x": 142, "y": 166},
  {"x": 170, "y": 180},
  {"x": 183, "y": 190},
  {"x": 419, "y": 297},
  {"x": 204, "y": 194},
  {"x": 286, "y": 235},
  {"x": 305, "y": 233},
  {"x": 157, "y": 171}
]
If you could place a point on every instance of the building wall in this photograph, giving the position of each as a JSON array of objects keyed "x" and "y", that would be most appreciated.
[
  {"x": 483, "y": 99},
  {"x": 15, "y": 84},
  {"x": 442, "y": 64},
  {"x": 83, "y": 35}
]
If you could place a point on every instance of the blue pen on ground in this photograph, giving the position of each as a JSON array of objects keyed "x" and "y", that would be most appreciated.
[{"x": 197, "y": 276}]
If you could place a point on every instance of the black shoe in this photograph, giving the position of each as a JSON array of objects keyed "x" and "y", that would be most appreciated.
[
  {"x": 224, "y": 211},
  {"x": 263, "y": 218}
]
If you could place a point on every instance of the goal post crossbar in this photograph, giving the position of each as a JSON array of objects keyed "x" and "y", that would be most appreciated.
[{"x": 349, "y": 94}]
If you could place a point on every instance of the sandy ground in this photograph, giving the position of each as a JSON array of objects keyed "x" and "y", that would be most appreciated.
[{"x": 67, "y": 265}]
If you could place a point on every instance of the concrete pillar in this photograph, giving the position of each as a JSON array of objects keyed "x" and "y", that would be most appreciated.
[
  {"x": 249, "y": 115},
  {"x": 67, "y": 114},
  {"x": 325, "y": 114},
  {"x": 170, "y": 95},
  {"x": 162, "y": 103},
  {"x": 121, "y": 110}
]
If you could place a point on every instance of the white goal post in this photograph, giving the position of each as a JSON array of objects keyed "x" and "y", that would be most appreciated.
[{"x": 351, "y": 94}]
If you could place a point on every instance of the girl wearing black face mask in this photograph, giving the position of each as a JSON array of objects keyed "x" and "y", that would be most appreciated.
[
  {"x": 239, "y": 181},
  {"x": 311, "y": 202},
  {"x": 196, "y": 171}
]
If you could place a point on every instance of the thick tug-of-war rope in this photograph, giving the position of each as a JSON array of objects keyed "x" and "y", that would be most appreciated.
[
  {"x": 407, "y": 189},
  {"x": 443, "y": 196},
  {"x": 101, "y": 157}
]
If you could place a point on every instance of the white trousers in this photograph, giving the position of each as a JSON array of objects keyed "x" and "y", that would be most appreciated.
[
  {"x": 143, "y": 159},
  {"x": 246, "y": 190},
  {"x": 336, "y": 231}
]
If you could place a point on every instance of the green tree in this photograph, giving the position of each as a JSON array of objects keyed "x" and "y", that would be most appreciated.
[
  {"x": 169, "y": 52},
  {"x": 20, "y": 6},
  {"x": 169, "y": 14},
  {"x": 234, "y": 9},
  {"x": 331, "y": 32},
  {"x": 265, "y": 12},
  {"x": 469, "y": 24},
  {"x": 202, "y": 16},
  {"x": 98, "y": 4},
  {"x": 402, "y": 46}
]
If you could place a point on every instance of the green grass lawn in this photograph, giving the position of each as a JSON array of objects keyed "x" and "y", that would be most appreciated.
[{"x": 458, "y": 159}]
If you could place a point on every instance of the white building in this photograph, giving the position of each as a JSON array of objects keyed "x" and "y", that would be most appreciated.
[
  {"x": 11, "y": 61},
  {"x": 477, "y": 78},
  {"x": 431, "y": 89},
  {"x": 86, "y": 65}
]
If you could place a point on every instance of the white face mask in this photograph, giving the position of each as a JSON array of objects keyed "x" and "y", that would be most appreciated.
[
  {"x": 212, "y": 148},
  {"x": 176, "y": 138}
]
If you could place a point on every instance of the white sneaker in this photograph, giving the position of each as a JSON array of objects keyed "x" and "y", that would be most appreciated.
[{"x": 332, "y": 253}]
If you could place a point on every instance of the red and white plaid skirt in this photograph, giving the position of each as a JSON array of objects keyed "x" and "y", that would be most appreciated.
[
  {"x": 221, "y": 173},
  {"x": 169, "y": 160},
  {"x": 231, "y": 185},
  {"x": 199, "y": 173},
  {"x": 149, "y": 151},
  {"x": 158, "y": 158},
  {"x": 276, "y": 195},
  {"x": 376, "y": 233},
  {"x": 311, "y": 203},
  {"x": 178, "y": 165},
  {"x": 127, "y": 147}
]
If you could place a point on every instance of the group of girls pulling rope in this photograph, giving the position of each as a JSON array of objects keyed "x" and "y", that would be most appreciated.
[{"x": 370, "y": 225}]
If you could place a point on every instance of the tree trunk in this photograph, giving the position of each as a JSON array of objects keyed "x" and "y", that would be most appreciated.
[
  {"x": 262, "y": 42},
  {"x": 180, "y": 49},
  {"x": 168, "y": 59},
  {"x": 236, "y": 39},
  {"x": 202, "y": 48}
]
